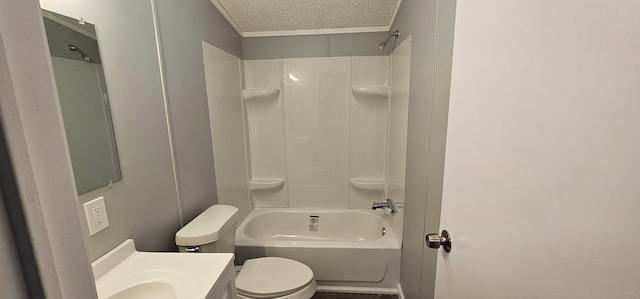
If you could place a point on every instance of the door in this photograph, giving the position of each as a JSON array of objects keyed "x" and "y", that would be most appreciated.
[{"x": 541, "y": 188}]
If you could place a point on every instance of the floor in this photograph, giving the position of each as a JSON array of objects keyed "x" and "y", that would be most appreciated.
[{"x": 320, "y": 295}]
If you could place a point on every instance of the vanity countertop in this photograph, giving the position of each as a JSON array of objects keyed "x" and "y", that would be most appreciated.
[{"x": 125, "y": 272}]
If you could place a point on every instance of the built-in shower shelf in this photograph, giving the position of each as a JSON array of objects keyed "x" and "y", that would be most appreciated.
[
  {"x": 265, "y": 184},
  {"x": 371, "y": 92},
  {"x": 368, "y": 184},
  {"x": 260, "y": 94}
]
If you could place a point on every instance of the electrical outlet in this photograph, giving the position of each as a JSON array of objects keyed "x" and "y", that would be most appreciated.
[{"x": 96, "y": 214}]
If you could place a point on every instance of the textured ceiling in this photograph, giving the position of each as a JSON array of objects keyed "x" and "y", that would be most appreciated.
[{"x": 308, "y": 15}]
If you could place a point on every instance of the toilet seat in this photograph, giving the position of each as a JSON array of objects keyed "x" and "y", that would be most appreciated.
[{"x": 274, "y": 277}]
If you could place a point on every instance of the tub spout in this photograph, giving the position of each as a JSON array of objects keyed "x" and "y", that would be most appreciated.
[{"x": 385, "y": 204}]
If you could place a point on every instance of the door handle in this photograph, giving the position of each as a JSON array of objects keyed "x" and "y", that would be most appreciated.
[{"x": 435, "y": 241}]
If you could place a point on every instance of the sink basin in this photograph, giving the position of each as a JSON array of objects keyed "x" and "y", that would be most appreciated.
[
  {"x": 152, "y": 289},
  {"x": 125, "y": 273}
]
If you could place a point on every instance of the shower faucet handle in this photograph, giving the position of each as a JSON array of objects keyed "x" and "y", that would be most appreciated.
[{"x": 388, "y": 203}]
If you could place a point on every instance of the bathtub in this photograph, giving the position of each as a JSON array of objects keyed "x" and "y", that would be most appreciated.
[{"x": 344, "y": 247}]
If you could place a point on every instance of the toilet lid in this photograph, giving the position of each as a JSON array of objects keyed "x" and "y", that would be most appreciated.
[{"x": 272, "y": 277}]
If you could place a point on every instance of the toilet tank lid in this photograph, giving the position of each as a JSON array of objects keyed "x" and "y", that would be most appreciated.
[{"x": 208, "y": 227}]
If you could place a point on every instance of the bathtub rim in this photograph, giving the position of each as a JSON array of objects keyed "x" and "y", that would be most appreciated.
[{"x": 388, "y": 241}]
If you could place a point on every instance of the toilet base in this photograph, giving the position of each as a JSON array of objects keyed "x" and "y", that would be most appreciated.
[{"x": 305, "y": 293}]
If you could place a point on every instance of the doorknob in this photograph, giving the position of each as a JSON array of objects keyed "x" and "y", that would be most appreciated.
[{"x": 434, "y": 240}]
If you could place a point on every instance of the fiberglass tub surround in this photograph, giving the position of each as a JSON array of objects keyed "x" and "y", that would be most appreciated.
[
  {"x": 343, "y": 246},
  {"x": 322, "y": 132},
  {"x": 317, "y": 131},
  {"x": 322, "y": 136}
]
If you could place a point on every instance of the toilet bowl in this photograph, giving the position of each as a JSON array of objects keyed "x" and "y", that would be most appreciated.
[
  {"x": 275, "y": 277},
  {"x": 214, "y": 231}
]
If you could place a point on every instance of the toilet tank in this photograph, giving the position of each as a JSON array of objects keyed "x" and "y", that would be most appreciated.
[{"x": 212, "y": 231}]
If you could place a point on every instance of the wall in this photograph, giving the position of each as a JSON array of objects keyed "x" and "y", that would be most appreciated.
[
  {"x": 396, "y": 164},
  {"x": 183, "y": 25},
  {"x": 303, "y": 135},
  {"x": 262, "y": 54},
  {"x": 324, "y": 45},
  {"x": 12, "y": 284},
  {"x": 32, "y": 121},
  {"x": 324, "y": 128},
  {"x": 152, "y": 202},
  {"x": 224, "y": 90},
  {"x": 144, "y": 205},
  {"x": 430, "y": 25},
  {"x": 543, "y": 145}
]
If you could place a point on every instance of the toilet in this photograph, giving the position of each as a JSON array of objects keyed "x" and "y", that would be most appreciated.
[{"x": 214, "y": 231}]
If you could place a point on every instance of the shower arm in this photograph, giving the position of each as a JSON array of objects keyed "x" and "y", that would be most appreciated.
[
  {"x": 74, "y": 48},
  {"x": 383, "y": 44}
]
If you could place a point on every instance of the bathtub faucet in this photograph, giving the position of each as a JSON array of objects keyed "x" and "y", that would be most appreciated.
[{"x": 385, "y": 204}]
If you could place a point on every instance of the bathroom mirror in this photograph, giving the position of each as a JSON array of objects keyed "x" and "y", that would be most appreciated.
[{"x": 83, "y": 97}]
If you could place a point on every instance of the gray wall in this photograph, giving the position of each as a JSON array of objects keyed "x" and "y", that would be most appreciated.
[
  {"x": 430, "y": 24},
  {"x": 31, "y": 119},
  {"x": 352, "y": 44},
  {"x": 11, "y": 281},
  {"x": 12, "y": 284},
  {"x": 183, "y": 25},
  {"x": 144, "y": 204}
]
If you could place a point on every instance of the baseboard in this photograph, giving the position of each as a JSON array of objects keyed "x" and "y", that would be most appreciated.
[
  {"x": 360, "y": 290},
  {"x": 400, "y": 293}
]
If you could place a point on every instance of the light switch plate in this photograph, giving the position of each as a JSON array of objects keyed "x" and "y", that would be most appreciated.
[{"x": 96, "y": 214}]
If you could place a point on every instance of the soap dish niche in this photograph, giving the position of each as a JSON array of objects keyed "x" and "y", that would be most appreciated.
[
  {"x": 265, "y": 184},
  {"x": 260, "y": 94},
  {"x": 371, "y": 92},
  {"x": 369, "y": 184}
]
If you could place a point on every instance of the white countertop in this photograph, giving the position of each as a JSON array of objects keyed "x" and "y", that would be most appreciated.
[{"x": 125, "y": 272}]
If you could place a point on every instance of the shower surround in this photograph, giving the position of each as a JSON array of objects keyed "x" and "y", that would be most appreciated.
[
  {"x": 314, "y": 135},
  {"x": 317, "y": 131},
  {"x": 307, "y": 132}
]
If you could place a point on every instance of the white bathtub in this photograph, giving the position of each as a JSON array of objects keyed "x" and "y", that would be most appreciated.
[{"x": 344, "y": 248}]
